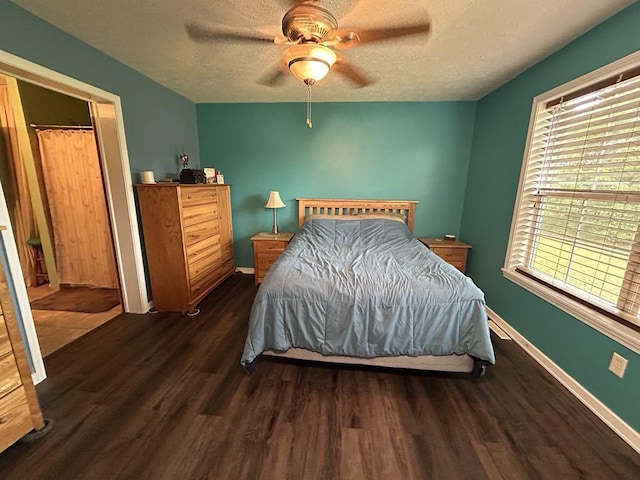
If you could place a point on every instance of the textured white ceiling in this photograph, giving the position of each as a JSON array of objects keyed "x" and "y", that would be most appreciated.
[{"x": 474, "y": 47}]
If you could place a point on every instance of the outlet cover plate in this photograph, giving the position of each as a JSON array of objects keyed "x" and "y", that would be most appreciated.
[{"x": 618, "y": 364}]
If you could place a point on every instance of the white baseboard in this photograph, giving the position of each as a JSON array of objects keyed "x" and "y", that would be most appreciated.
[
  {"x": 502, "y": 335},
  {"x": 246, "y": 270},
  {"x": 613, "y": 421}
]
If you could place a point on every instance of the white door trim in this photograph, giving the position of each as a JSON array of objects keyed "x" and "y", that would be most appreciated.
[{"x": 112, "y": 145}]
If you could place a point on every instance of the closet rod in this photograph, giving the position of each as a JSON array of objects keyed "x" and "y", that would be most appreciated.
[{"x": 80, "y": 127}]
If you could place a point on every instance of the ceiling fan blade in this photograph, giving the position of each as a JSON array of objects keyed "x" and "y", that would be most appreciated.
[
  {"x": 202, "y": 33},
  {"x": 351, "y": 73},
  {"x": 275, "y": 77},
  {"x": 347, "y": 39},
  {"x": 343, "y": 40}
]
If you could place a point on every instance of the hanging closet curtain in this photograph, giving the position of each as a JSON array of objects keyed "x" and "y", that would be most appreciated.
[
  {"x": 17, "y": 192},
  {"x": 77, "y": 206}
]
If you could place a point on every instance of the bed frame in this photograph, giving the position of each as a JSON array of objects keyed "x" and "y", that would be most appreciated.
[
  {"x": 341, "y": 206},
  {"x": 335, "y": 206}
]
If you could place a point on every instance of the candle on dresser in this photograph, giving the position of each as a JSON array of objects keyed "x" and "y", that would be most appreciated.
[{"x": 147, "y": 177}]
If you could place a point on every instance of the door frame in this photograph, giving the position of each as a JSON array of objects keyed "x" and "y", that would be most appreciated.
[{"x": 106, "y": 110}]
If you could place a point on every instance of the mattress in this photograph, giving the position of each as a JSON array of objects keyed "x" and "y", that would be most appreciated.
[{"x": 366, "y": 288}]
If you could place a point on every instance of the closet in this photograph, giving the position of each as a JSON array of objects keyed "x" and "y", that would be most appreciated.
[{"x": 52, "y": 179}]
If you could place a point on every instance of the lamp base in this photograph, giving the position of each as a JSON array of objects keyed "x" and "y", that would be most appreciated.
[{"x": 274, "y": 230}]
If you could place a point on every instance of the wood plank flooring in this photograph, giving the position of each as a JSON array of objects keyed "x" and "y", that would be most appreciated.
[
  {"x": 56, "y": 329},
  {"x": 163, "y": 397}
]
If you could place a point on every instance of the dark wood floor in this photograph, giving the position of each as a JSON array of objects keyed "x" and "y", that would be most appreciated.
[{"x": 163, "y": 397}]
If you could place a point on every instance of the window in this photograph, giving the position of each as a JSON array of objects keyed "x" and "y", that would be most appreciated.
[{"x": 575, "y": 238}]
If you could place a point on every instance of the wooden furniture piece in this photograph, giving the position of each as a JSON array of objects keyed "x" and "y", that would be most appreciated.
[
  {"x": 76, "y": 208},
  {"x": 340, "y": 206},
  {"x": 267, "y": 247},
  {"x": 331, "y": 206},
  {"x": 451, "y": 251},
  {"x": 40, "y": 273},
  {"x": 188, "y": 240},
  {"x": 19, "y": 408}
]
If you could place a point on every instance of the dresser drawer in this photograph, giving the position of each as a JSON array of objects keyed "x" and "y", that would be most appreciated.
[
  {"x": 204, "y": 265},
  {"x": 453, "y": 252},
  {"x": 203, "y": 248},
  {"x": 266, "y": 250},
  {"x": 264, "y": 261},
  {"x": 226, "y": 252},
  {"x": 15, "y": 417},
  {"x": 274, "y": 245},
  {"x": 208, "y": 278},
  {"x": 202, "y": 283},
  {"x": 462, "y": 266},
  {"x": 200, "y": 231},
  {"x": 450, "y": 254},
  {"x": 9, "y": 375},
  {"x": 198, "y": 196},
  {"x": 223, "y": 270},
  {"x": 199, "y": 214}
]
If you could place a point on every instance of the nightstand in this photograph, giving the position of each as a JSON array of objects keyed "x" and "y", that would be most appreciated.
[
  {"x": 267, "y": 247},
  {"x": 451, "y": 251}
]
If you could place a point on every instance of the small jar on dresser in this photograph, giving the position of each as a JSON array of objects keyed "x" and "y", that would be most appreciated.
[
  {"x": 267, "y": 247},
  {"x": 451, "y": 251}
]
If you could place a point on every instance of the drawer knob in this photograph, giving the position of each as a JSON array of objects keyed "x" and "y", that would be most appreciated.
[{"x": 4, "y": 420}]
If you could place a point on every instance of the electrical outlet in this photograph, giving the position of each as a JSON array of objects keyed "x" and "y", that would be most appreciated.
[{"x": 618, "y": 364}]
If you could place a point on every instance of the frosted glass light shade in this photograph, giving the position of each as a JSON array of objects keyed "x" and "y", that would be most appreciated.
[
  {"x": 274, "y": 201},
  {"x": 309, "y": 62}
]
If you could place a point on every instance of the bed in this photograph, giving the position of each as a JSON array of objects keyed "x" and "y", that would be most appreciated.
[{"x": 355, "y": 286}]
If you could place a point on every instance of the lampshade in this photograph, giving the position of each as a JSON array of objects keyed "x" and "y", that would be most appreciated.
[
  {"x": 309, "y": 62},
  {"x": 274, "y": 201}
]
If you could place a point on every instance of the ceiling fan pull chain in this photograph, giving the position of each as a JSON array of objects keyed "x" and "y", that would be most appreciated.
[{"x": 309, "y": 124}]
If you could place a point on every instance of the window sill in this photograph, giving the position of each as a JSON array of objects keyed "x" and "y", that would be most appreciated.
[{"x": 605, "y": 325}]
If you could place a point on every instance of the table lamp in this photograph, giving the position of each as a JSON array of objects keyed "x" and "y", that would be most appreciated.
[{"x": 274, "y": 202}]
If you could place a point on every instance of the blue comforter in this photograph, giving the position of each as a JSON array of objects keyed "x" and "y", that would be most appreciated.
[{"x": 366, "y": 288}]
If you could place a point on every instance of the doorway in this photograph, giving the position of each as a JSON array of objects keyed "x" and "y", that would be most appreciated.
[
  {"x": 106, "y": 112},
  {"x": 55, "y": 194}
]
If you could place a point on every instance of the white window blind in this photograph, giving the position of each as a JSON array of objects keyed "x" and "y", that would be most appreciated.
[{"x": 577, "y": 228}]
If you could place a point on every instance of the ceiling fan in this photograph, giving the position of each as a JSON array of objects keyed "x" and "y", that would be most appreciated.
[{"x": 314, "y": 40}]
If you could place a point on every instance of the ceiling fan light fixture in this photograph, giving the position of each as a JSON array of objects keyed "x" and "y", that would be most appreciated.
[{"x": 309, "y": 62}]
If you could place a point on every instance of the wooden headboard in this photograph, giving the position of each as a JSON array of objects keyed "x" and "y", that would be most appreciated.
[{"x": 341, "y": 206}]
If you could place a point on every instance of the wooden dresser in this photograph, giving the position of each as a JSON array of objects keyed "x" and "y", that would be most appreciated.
[
  {"x": 451, "y": 251},
  {"x": 266, "y": 250},
  {"x": 19, "y": 408},
  {"x": 188, "y": 240}
]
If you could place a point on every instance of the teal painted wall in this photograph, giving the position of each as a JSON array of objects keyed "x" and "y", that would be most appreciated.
[
  {"x": 158, "y": 122},
  {"x": 498, "y": 145},
  {"x": 413, "y": 151}
]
